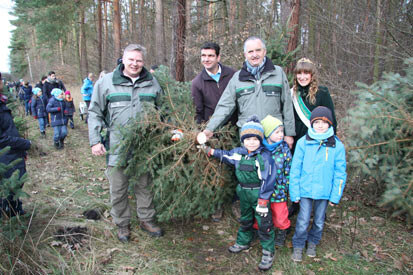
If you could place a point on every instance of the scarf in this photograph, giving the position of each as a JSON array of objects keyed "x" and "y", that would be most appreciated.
[
  {"x": 320, "y": 136},
  {"x": 271, "y": 147},
  {"x": 51, "y": 80},
  {"x": 256, "y": 71}
]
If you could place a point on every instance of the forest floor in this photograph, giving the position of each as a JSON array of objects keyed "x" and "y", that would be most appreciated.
[{"x": 358, "y": 238}]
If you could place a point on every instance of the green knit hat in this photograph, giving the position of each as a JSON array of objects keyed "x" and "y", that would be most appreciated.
[{"x": 270, "y": 124}]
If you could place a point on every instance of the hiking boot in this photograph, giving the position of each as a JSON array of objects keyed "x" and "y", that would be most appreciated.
[
  {"x": 280, "y": 237},
  {"x": 43, "y": 134},
  {"x": 236, "y": 209},
  {"x": 57, "y": 144},
  {"x": 266, "y": 260},
  {"x": 297, "y": 255},
  {"x": 62, "y": 143},
  {"x": 123, "y": 233},
  {"x": 236, "y": 248},
  {"x": 311, "y": 250},
  {"x": 217, "y": 216},
  {"x": 151, "y": 228}
]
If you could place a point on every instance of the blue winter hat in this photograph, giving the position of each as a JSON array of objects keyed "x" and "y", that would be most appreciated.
[
  {"x": 36, "y": 91},
  {"x": 252, "y": 128},
  {"x": 56, "y": 92}
]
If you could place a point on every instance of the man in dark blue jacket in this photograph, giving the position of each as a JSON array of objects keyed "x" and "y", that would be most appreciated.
[{"x": 9, "y": 136}]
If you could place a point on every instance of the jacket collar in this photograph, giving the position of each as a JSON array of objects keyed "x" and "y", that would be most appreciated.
[
  {"x": 119, "y": 78},
  {"x": 330, "y": 142},
  {"x": 205, "y": 76},
  {"x": 245, "y": 75}
]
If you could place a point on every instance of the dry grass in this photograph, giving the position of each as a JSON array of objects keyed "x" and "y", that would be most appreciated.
[{"x": 357, "y": 239}]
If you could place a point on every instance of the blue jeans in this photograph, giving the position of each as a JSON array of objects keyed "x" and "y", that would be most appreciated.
[
  {"x": 60, "y": 132},
  {"x": 27, "y": 106},
  {"x": 42, "y": 123},
  {"x": 314, "y": 235}
]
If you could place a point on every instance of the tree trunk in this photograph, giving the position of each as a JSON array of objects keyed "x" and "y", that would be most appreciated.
[
  {"x": 99, "y": 30},
  {"x": 117, "y": 29},
  {"x": 77, "y": 50},
  {"x": 293, "y": 26},
  {"x": 376, "y": 63},
  {"x": 106, "y": 37},
  {"x": 180, "y": 42},
  {"x": 141, "y": 21},
  {"x": 83, "y": 50},
  {"x": 232, "y": 13},
  {"x": 132, "y": 28},
  {"x": 160, "y": 49},
  {"x": 211, "y": 15}
]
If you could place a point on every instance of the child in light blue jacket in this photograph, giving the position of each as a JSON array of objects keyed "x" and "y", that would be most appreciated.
[{"x": 317, "y": 178}]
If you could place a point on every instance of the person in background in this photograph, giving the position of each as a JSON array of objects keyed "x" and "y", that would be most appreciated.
[
  {"x": 10, "y": 137},
  {"x": 56, "y": 108},
  {"x": 27, "y": 89},
  {"x": 41, "y": 82},
  {"x": 69, "y": 109},
  {"x": 87, "y": 90},
  {"x": 38, "y": 107}
]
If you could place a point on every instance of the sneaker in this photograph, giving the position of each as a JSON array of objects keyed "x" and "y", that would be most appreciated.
[
  {"x": 236, "y": 248},
  {"x": 236, "y": 209},
  {"x": 297, "y": 255},
  {"x": 217, "y": 216},
  {"x": 151, "y": 228},
  {"x": 280, "y": 237},
  {"x": 266, "y": 260},
  {"x": 311, "y": 250},
  {"x": 123, "y": 233}
]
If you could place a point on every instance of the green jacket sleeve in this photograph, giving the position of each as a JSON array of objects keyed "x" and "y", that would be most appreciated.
[
  {"x": 225, "y": 107},
  {"x": 287, "y": 109}
]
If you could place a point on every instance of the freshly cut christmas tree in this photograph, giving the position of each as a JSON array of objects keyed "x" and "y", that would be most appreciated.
[
  {"x": 186, "y": 183},
  {"x": 381, "y": 138}
]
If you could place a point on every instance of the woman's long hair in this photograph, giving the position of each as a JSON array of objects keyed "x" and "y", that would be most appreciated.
[{"x": 307, "y": 66}]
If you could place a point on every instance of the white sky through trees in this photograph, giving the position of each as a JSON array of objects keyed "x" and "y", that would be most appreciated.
[{"x": 5, "y": 34}]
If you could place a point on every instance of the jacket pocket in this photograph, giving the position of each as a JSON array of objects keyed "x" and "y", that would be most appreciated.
[
  {"x": 240, "y": 92},
  {"x": 272, "y": 90}
]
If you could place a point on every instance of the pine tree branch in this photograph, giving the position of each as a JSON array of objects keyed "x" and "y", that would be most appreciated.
[{"x": 379, "y": 144}]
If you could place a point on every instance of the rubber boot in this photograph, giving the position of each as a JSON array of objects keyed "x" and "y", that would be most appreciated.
[
  {"x": 57, "y": 144},
  {"x": 280, "y": 237}
]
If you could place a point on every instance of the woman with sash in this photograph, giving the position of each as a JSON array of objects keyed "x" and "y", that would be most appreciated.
[{"x": 306, "y": 96}]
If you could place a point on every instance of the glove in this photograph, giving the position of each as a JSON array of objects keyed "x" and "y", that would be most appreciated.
[
  {"x": 262, "y": 208},
  {"x": 35, "y": 117},
  {"x": 58, "y": 109},
  {"x": 177, "y": 135},
  {"x": 207, "y": 150}
]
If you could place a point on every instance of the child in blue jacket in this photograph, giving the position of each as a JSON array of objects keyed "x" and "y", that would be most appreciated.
[
  {"x": 317, "y": 178},
  {"x": 254, "y": 169},
  {"x": 38, "y": 106},
  {"x": 56, "y": 108}
]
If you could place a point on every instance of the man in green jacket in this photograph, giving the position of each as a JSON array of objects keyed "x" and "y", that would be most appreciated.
[
  {"x": 259, "y": 88},
  {"x": 118, "y": 97}
]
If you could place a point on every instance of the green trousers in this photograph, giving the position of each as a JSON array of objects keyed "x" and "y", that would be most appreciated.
[{"x": 248, "y": 203}]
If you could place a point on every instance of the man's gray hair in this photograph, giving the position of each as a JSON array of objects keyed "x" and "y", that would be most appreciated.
[
  {"x": 253, "y": 38},
  {"x": 135, "y": 47}
]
